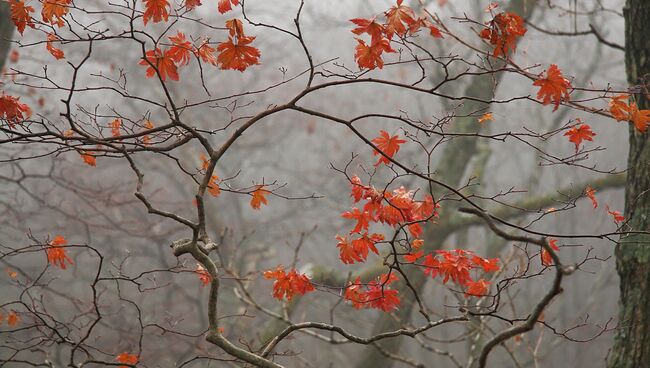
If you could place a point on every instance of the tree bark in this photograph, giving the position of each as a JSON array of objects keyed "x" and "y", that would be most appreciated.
[
  {"x": 6, "y": 32},
  {"x": 632, "y": 342}
]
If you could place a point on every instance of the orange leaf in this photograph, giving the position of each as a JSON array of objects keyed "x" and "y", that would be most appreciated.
[
  {"x": 225, "y": 6},
  {"x": 20, "y": 15},
  {"x": 54, "y": 10},
  {"x": 127, "y": 358},
  {"x": 580, "y": 133},
  {"x": 591, "y": 194},
  {"x": 370, "y": 56},
  {"x": 203, "y": 275},
  {"x": 640, "y": 118},
  {"x": 477, "y": 288},
  {"x": 56, "y": 252},
  {"x": 191, "y": 4},
  {"x": 369, "y": 26},
  {"x": 13, "y": 111},
  {"x": 181, "y": 49},
  {"x": 235, "y": 27},
  {"x": 115, "y": 127},
  {"x": 387, "y": 145},
  {"x": 362, "y": 218},
  {"x": 12, "y": 273},
  {"x": 163, "y": 62},
  {"x": 618, "y": 217},
  {"x": 206, "y": 53},
  {"x": 237, "y": 56},
  {"x": 503, "y": 31},
  {"x": 486, "y": 117},
  {"x": 12, "y": 319},
  {"x": 619, "y": 108},
  {"x": 88, "y": 158},
  {"x": 259, "y": 197},
  {"x": 554, "y": 87},
  {"x": 213, "y": 187},
  {"x": 398, "y": 18},
  {"x": 288, "y": 284},
  {"x": 547, "y": 260},
  {"x": 156, "y": 9},
  {"x": 57, "y": 53}
]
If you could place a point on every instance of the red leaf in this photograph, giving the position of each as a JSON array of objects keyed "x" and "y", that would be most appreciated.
[
  {"x": 554, "y": 87},
  {"x": 127, "y": 358},
  {"x": 57, "y": 53},
  {"x": 387, "y": 145},
  {"x": 370, "y": 56},
  {"x": 20, "y": 15},
  {"x": 362, "y": 218},
  {"x": 56, "y": 253},
  {"x": 259, "y": 197},
  {"x": 369, "y": 26},
  {"x": 237, "y": 56},
  {"x": 287, "y": 285},
  {"x": 163, "y": 62},
  {"x": 88, "y": 158},
  {"x": 477, "y": 288},
  {"x": 115, "y": 127},
  {"x": 591, "y": 194},
  {"x": 224, "y": 6},
  {"x": 191, "y": 4},
  {"x": 547, "y": 260},
  {"x": 203, "y": 275},
  {"x": 399, "y": 19},
  {"x": 580, "y": 133},
  {"x": 13, "y": 111},
  {"x": 503, "y": 31},
  {"x": 181, "y": 49},
  {"x": 156, "y": 9},
  {"x": 54, "y": 10}
]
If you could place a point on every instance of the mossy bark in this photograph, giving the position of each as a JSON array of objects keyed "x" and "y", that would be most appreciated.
[{"x": 632, "y": 342}]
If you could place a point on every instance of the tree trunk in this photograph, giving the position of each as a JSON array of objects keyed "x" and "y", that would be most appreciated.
[
  {"x": 632, "y": 343},
  {"x": 6, "y": 32}
]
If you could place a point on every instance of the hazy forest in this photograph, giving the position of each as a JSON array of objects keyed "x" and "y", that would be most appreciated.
[{"x": 333, "y": 183}]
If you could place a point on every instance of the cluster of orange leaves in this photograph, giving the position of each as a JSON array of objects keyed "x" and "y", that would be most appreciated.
[
  {"x": 456, "y": 265},
  {"x": 622, "y": 111},
  {"x": 126, "y": 358},
  {"x": 52, "y": 12},
  {"x": 12, "y": 318},
  {"x": 399, "y": 20},
  {"x": 502, "y": 32},
  {"x": 288, "y": 284},
  {"x": 236, "y": 53},
  {"x": 56, "y": 254},
  {"x": 12, "y": 110},
  {"x": 376, "y": 294}
]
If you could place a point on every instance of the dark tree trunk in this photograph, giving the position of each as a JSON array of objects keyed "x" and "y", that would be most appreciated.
[
  {"x": 632, "y": 344},
  {"x": 6, "y": 32}
]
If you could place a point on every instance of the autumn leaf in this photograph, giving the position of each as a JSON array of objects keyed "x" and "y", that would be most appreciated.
[
  {"x": 369, "y": 26},
  {"x": 147, "y": 125},
  {"x": 20, "y": 15},
  {"x": 181, "y": 49},
  {"x": 616, "y": 215},
  {"x": 547, "y": 260},
  {"x": 413, "y": 257},
  {"x": 554, "y": 87},
  {"x": 88, "y": 158},
  {"x": 288, "y": 284},
  {"x": 485, "y": 117},
  {"x": 163, "y": 62},
  {"x": 399, "y": 19},
  {"x": 206, "y": 53},
  {"x": 580, "y": 133},
  {"x": 358, "y": 189},
  {"x": 591, "y": 194},
  {"x": 156, "y": 9},
  {"x": 115, "y": 127},
  {"x": 213, "y": 186},
  {"x": 12, "y": 273},
  {"x": 237, "y": 56},
  {"x": 362, "y": 218},
  {"x": 205, "y": 161},
  {"x": 12, "y": 110},
  {"x": 235, "y": 27},
  {"x": 56, "y": 254},
  {"x": 57, "y": 53},
  {"x": 369, "y": 57},
  {"x": 476, "y": 288},
  {"x": 488, "y": 265},
  {"x": 191, "y": 4},
  {"x": 203, "y": 274},
  {"x": 12, "y": 319},
  {"x": 640, "y": 118},
  {"x": 54, "y": 10},
  {"x": 225, "y": 6},
  {"x": 259, "y": 197},
  {"x": 127, "y": 358},
  {"x": 388, "y": 145},
  {"x": 618, "y": 107},
  {"x": 503, "y": 31}
]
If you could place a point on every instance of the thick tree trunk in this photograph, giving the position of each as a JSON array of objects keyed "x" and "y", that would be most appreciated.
[
  {"x": 632, "y": 344},
  {"x": 6, "y": 32}
]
